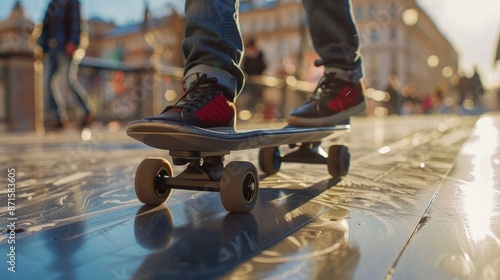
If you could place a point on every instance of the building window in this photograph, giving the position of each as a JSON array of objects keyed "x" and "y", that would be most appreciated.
[
  {"x": 362, "y": 39},
  {"x": 373, "y": 69},
  {"x": 255, "y": 26},
  {"x": 358, "y": 12},
  {"x": 280, "y": 48},
  {"x": 283, "y": 22},
  {"x": 372, "y": 11},
  {"x": 277, "y": 23},
  {"x": 292, "y": 20},
  {"x": 393, "y": 34},
  {"x": 395, "y": 8},
  {"x": 374, "y": 34},
  {"x": 393, "y": 64},
  {"x": 268, "y": 24},
  {"x": 294, "y": 45},
  {"x": 244, "y": 27}
]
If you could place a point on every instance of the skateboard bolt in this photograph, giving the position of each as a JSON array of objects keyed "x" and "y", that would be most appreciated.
[{"x": 251, "y": 186}]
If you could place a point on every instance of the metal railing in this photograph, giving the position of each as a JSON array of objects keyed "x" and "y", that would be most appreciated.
[{"x": 122, "y": 93}]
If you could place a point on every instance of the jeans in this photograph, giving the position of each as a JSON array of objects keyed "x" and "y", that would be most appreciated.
[
  {"x": 213, "y": 43},
  {"x": 61, "y": 64}
]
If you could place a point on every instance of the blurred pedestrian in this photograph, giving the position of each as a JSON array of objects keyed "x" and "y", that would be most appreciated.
[
  {"x": 253, "y": 65},
  {"x": 394, "y": 103},
  {"x": 59, "y": 40},
  {"x": 213, "y": 78}
]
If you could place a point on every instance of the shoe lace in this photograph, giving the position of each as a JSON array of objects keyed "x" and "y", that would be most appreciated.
[
  {"x": 327, "y": 87},
  {"x": 197, "y": 94}
]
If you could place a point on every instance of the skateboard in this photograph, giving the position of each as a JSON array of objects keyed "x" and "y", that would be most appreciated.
[{"x": 204, "y": 151}]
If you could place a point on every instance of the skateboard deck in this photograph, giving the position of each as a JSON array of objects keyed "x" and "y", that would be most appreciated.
[
  {"x": 177, "y": 137},
  {"x": 204, "y": 150}
]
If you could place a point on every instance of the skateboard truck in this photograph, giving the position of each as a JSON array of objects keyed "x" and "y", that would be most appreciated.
[
  {"x": 307, "y": 153},
  {"x": 337, "y": 159},
  {"x": 237, "y": 182},
  {"x": 203, "y": 172}
]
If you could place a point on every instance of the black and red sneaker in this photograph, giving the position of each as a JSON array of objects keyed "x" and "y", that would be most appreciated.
[
  {"x": 206, "y": 104},
  {"x": 333, "y": 101}
]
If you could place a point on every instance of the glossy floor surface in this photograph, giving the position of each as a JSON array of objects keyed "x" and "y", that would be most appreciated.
[{"x": 421, "y": 201}]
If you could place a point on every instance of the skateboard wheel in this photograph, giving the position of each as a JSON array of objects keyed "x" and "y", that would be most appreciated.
[
  {"x": 148, "y": 181},
  {"x": 338, "y": 160},
  {"x": 270, "y": 160},
  {"x": 239, "y": 187}
]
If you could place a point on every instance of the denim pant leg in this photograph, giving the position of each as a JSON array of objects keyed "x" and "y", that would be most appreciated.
[
  {"x": 213, "y": 43},
  {"x": 335, "y": 36},
  {"x": 69, "y": 70},
  {"x": 54, "y": 99}
]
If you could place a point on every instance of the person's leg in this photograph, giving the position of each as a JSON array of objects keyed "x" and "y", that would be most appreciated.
[
  {"x": 53, "y": 97},
  {"x": 213, "y": 43},
  {"x": 335, "y": 38},
  {"x": 70, "y": 72},
  {"x": 213, "y": 50}
]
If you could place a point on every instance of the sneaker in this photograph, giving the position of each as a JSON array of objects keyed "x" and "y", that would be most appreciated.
[
  {"x": 56, "y": 125},
  {"x": 205, "y": 105},
  {"x": 87, "y": 120},
  {"x": 333, "y": 101}
]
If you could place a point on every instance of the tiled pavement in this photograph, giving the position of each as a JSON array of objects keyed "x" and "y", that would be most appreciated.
[{"x": 421, "y": 201}]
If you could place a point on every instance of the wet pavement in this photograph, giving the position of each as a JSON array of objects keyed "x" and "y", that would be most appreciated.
[{"x": 421, "y": 201}]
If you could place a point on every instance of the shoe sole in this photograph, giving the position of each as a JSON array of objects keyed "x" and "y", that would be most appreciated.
[
  {"x": 224, "y": 129},
  {"x": 326, "y": 121}
]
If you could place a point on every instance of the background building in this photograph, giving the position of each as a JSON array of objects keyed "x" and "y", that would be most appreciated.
[
  {"x": 135, "y": 44},
  {"x": 399, "y": 42},
  {"x": 398, "y": 38},
  {"x": 136, "y": 68}
]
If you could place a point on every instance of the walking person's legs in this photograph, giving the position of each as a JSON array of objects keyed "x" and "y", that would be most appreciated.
[
  {"x": 70, "y": 70},
  {"x": 53, "y": 97}
]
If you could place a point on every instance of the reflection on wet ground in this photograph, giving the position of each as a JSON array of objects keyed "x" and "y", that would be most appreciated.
[{"x": 421, "y": 201}]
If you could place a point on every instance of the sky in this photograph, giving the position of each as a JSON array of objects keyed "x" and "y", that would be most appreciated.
[{"x": 472, "y": 27}]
